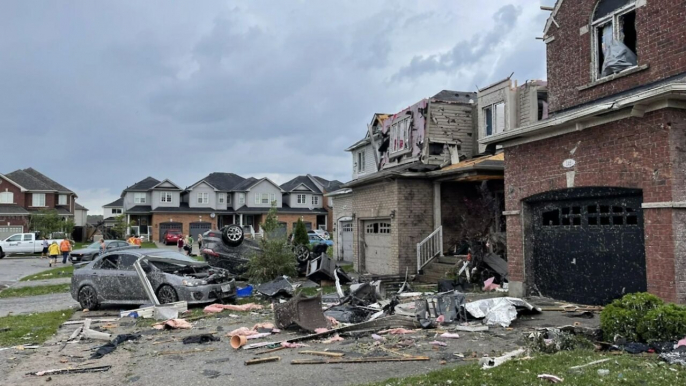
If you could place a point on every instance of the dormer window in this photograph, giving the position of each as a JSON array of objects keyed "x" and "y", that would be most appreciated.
[
  {"x": 494, "y": 118},
  {"x": 400, "y": 136},
  {"x": 360, "y": 161},
  {"x": 166, "y": 197},
  {"x": 614, "y": 36}
]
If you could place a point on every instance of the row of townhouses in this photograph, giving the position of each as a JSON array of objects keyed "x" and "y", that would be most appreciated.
[
  {"x": 589, "y": 168},
  {"x": 220, "y": 199},
  {"x": 27, "y": 191}
]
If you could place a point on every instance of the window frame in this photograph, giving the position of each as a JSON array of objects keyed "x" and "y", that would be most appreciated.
[
  {"x": 596, "y": 31},
  {"x": 203, "y": 198},
  {"x": 5, "y": 200},
  {"x": 139, "y": 198},
  {"x": 33, "y": 200},
  {"x": 304, "y": 198},
  {"x": 315, "y": 199},
  {"x": 361, "y": 160},
  {"x": 222, "y": 198},
  {"x": 241, "y": 198},
  {"x": 491, "y": 111},
  {"x": 166, "y": 197},
  {"x": 393, "y": 149},
  {"x": 59, "y": 199},
  {"x": 117, "y": 211}
]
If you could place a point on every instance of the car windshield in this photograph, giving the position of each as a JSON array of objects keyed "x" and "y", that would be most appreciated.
[
  {"x": 174, "y": 257},
  {"x": 94, "y": 246}
]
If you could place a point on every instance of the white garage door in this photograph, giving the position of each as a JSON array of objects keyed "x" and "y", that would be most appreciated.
[
  {"x": 6, "y": 232},
  {"x": 377, "y": 247},
  {"x": 346, "y": 241}
]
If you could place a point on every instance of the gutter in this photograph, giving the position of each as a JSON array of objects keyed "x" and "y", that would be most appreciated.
[{"x": 587, "y": 112}]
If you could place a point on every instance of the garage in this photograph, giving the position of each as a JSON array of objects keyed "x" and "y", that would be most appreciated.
[
  {"x": 588, "y": 244},
  {"x": 8, "y": 231},
  {"x": 165, "y": 226},
  {"x": 198, "y": 228},
  {"x": 377, "y": 247},
  {"x": 345, "y": 248}
]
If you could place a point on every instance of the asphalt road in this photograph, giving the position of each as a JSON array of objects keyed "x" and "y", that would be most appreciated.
[{"x": 14, "y": 268}]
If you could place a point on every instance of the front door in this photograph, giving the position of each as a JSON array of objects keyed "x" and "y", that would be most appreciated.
[{"x": 345, "y": 249}]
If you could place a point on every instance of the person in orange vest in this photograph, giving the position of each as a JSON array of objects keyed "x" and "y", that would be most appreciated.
[
  {"x": 65, "y": 247},
  {"x": 131, "y": 240},
  {"x": 137, "y": 240}
]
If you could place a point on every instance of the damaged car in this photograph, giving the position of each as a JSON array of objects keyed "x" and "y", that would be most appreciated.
[
  {"x": 88, "y": 253},
  {"x": 227, "y": 248},
  {"x": 113, "y": 279}
]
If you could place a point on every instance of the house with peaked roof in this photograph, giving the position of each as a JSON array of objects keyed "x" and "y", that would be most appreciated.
[
  {"x": 304, "y": 196},
  {"x": 27, "y": 191}
]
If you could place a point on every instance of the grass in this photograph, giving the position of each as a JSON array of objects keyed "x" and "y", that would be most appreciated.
[
  {"x": 54, "y": 273},
  {"x": 624, "y": 369},
  {"x": 34, "y": 291},
  {"x": 349, "y": 268},
  {"x": 31, "y": 329}
]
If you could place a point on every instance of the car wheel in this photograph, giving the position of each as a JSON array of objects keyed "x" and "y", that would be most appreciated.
[
  {"x": 167, "y": 294},
  {"x": 232, "y": 235},
  {"x": 88, "y": 298},
  {"x": 302, "y": 253}
]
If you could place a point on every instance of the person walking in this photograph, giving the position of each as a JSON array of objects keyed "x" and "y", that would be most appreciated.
[
  {"x": 199, "y": 242},
  {"x": 179, "y": 244},
  {"x": 137, "y": 241},
  {"x": 103, "y": 246},
  {"x": 189, "y": 245},
  {"x": 65, "y": 247},
  {"x": 53, "y": 252},
  {"x": 44, "y": 254},
  {"x": 131, "y": 240}
]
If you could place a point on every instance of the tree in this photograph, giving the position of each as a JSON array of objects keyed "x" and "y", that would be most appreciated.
[
  {"x": 276, "y": 257},
  {"x": 120, "y": 226},
  {"x": 47, "y": 221},
  {"x": 300, "y": 234}
]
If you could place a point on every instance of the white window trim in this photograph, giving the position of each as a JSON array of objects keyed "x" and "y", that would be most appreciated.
[
  {"x": 7, "y": 198},
  {"x": 258, "y": 198},
  {"x": 166, "y": 197},
  {"x": 595, "y": 27},
  {"x": 59, "y": 199},
  {"x": 222, "y": 198},
  {"x": 315, "y": 200},
  {"x": 304, "y": 199},
  {"x": 361, "y": 162},
  {"x": 494, "y": 118},
  {"x": 241, "y": 198},
  {"x": 33, "y": 200},
  {"x": 139, "y": 198},
  {"x": 203, "y": 198},
  {"x": 394, "y": 131},
  {"x": 117, "y": 211}
]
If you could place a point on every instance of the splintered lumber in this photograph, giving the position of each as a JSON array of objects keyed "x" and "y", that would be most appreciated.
[
  {"x": 323, "y": 353},
  {"x": 357, "y": 360},
  {"x": 262, "y": 360},
  {"x": 386, "y": 322}
]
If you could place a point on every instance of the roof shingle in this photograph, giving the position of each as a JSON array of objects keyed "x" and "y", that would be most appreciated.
[{"x": 144, "y": 184}]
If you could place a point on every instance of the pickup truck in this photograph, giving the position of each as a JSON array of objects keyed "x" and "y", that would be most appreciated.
[{"x": 23, "y": 243}]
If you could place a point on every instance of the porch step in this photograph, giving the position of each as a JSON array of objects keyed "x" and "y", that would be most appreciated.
[
  {"x": 454, "y": 259},
  {"x": 435, "y": 271}
]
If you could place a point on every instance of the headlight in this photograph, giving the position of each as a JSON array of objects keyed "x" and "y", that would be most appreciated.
[{"x": 193, "y": 283}]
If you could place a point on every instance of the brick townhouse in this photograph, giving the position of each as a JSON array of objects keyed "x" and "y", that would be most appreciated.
[{"x": 596, "y": 193}]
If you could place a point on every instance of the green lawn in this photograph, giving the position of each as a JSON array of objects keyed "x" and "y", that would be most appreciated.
[
  {"x": 54, "y": 273},
  {"x": 30, "y": 329},
  {"x": 624, "y": 369},
  {"x": 34, "y": 291}
]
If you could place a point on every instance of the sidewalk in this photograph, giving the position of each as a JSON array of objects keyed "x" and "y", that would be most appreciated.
[{"x": 36, "y": 283}]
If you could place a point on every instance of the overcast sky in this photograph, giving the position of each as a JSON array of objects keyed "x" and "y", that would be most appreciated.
[{"x": 101, "y": 94}]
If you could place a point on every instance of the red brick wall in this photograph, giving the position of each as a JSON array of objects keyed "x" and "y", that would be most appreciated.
[
  {"x": 289, "y": 219},
  {"x": 661, "y": 30},
  {"x": 6, "y": 186},
  {"x": 631, "y": 153}
]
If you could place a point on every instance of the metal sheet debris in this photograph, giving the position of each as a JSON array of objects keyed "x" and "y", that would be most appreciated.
[
  {"x": 501, "y": 311},
  {"x": 302, "y": 311}
]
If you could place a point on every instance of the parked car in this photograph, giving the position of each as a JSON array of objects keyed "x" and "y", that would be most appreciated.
[
  {"x": 320, "y": 232},
  {"x": 228, "y": 248},
  {"x": 112, "y": 279},
  {"x": 171, "y": 236},
  {"x": 317, "y": 239},
  {"x": 91, "y": 251},
  {"x": 23, "y": 243}
]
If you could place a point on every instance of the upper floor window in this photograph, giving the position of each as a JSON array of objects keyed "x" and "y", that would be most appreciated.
[
  {"x": 117, "y": 211},
  {"x": 166, "y": 197},
  {"x": 360, "y": 161},
  {"x": 6, "y": 198},
  {"x": 494, "y": 118},
  {"x": 222, "y": 198},
  {"x": 203, "y": 198},
  {"x": 139, "y": 198},
  {"x": 38, "y": 199},
  {"x": 268, "y": 198},
  {"x": 62, "y": 199},
  {"x": 315, "y": 200},
  {"x": 614, "y": 36},
  {"x": 400, "y": 136},
  {"x": 302, "y": 199},
  {"x": 241, "y": 198}
]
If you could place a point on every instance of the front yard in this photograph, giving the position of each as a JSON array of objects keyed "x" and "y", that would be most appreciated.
[{"x": 31, "y": 329}]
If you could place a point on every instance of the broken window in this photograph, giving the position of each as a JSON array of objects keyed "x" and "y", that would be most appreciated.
[
  {"x": 551, "y": 218},
  {"x": 542, "y": 98},
  {"x": 615, "y": 36},
  {"x": 400, "y": 136},
  {"x": 494, "y": 118}
]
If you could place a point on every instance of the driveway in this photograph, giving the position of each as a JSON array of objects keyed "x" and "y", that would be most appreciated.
[{"x": 14, "y": 268}]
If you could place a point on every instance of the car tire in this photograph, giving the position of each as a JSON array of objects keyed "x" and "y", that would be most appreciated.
[
  {"x": 2, "y": 254},
  {"x": 88, "y": 298},
  {"x": 302, "y": 253},
  {"x": 233, "y": 235},
  {"x": 167, "y": 294}
]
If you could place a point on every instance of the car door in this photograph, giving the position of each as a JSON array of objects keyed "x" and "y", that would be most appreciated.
[
  {"x": 28, "y": 243},
  {"x": 105, "y": 276},
  {"x": 130, "y": 283},
  {"x": 13, "y": 243}
]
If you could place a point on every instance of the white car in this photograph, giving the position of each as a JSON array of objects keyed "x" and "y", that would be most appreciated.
[{"x": 23, "y": 243}]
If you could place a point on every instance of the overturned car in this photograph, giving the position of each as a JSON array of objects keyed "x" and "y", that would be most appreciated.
[
  {"x": 228, "y": 248},
  {"x": 112, "y": 279}
]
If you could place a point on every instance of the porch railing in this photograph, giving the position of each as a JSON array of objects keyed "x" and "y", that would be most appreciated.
[{"x": 429, "y": 248}]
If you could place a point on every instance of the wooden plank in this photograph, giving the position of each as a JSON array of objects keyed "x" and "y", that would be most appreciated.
[
  {"x": 271, "y": 350},
  {"x": 357, "y": 360},
  {"x": 261, "y": 360},
  {"x": 323, "y": 353}
]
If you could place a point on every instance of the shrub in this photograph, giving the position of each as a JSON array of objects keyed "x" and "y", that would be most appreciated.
[
  {"x": 300, "y": 236},
  {"x": 276, "y": 257},
  {"x": 623, "y": 315},
  {"x": 664, "y": 323}
]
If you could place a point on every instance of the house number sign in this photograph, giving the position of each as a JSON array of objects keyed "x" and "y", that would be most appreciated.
[{"x": 568, "y": 163}]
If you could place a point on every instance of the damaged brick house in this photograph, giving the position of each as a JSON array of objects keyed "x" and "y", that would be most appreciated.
[{"x": 596, "y": 193}]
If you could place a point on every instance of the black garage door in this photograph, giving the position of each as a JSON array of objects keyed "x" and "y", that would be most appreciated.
[
  {"x": 589, "y": 245},
  {"x": 165, "y": 226},
  {"x": 198, "y": 228}
]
